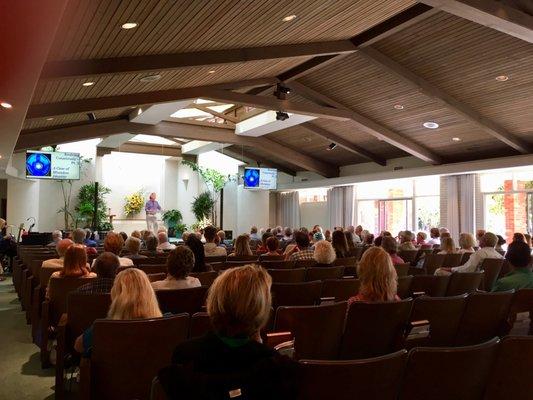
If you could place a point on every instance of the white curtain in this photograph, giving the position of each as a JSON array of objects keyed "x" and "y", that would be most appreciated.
[
  {"x": 289, "y": 209},
  {"x": 452, "y": 202},
  {"x": 340, "y": 206},
  {"x": 467, "y": 203}
]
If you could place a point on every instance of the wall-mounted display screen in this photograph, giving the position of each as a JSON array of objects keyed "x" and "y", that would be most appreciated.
[
  {"x": 261, "y": 178},
  {"x": 52, "y": 165}
]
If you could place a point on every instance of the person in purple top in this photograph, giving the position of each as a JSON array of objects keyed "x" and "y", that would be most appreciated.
[{"x": 152, "y": 207}]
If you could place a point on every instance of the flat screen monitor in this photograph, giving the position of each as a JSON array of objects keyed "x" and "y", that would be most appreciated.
[
  {"x": 261, "y": 178},
  {"x": 52, "y": 165}
]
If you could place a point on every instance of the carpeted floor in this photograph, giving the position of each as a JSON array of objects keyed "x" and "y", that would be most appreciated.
[{"x": 21, "y": 376}]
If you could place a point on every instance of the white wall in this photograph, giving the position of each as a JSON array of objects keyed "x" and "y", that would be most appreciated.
[
  {"x": 188, "y": 187},
  {"x": 252, "y": 209},
  {"x": 22, "y": 202},
  {"x": 314, "y": 214}
]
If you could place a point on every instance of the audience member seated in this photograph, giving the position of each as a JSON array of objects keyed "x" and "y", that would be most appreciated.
[
  {"x": 151, "y": 246},
  {"x": 500, "y": 243},
  {"x": 318, "y": 236},
  {"x": 324, "y": 254},
  {"x": 89, "y": 242},
  {"x": 349, "y": 241},
  {"x": 421, "y": 238},
  {"x": 466, "y": 243},
  {"x": 233, "y": 356},
  {"x": 136, "y": 234},
  {"x": 211, "y": 249},
  {"x": 61, "y": 249},
  {"x": 222, "y": 237},
  {"x": 527, "y": 237},
  {"x": 486, "y": 250},
  {"x": 56, "y": 237},
  {"x": 74, "y": 265},
  {"x": 197, "y": 248},
  {"x": 301, "y": 251},
  {"x": 518, "y": 237},
  {"x": 407, "y": 241},
  {"x": 447, "y": 246},
  {"x": 124, "y": 236},
  {"x": 434, "y": 237},
  {"x": 253, "y": 233},
  {"x": 272, "y": 245},
  {"x": 355, "y": 238},
  {"x": 390, "y": 245},
  {"x": 78, "y": 237},
  {"x": 519, "y": 257},
  {"x": 340, "y": 244},
  {"x": 133, "y": 246},
  {"x": 369, "y": 239},
  {"x": 180, "y": 263},
  {"x": 114, "y": 243},
  {"x": 262, "y": 249},
  {"x": 164, "y": 244},
  {"x": 327, "y": 235},
  {"x": 242, "y": 247},
  {"x": 479, "y": 235},
  {"x": 359, "y": 233},
  {"x": 105, "y": 266},
  {"x": 287, "y": 235},
  {"x": 379, "y": 281},
  {"x": 132, "y": 297}
]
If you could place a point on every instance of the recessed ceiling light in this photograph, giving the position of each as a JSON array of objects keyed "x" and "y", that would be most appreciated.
[
  {"x": 88, "y": 83},
  {"x": 211, "y": 71},
  {"x": 456, "y": 139},
  {"x": 398, "y": 107},
  {"x": 6, "y": 104},
  {"x": 289, "y": 18},
  {"x": 502, "y": 78},
  {"x": 430, "y": 125},
  {"x": 50, "y": 119},
  {"x": 129, "y": 25},
  {"x": 150, "y": 78}
]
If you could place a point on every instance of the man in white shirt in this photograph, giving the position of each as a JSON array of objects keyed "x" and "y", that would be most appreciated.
[
  {"x": 210, "y": 248},
  {"x": 356, "y": 239},
  {"x": 434, "y": 235},
  {"x": 164, "y": 244},
  {"x": 253, "y": 234},
  {"x": 61, "y": 249},
  {"x": 487, "y": 243}
]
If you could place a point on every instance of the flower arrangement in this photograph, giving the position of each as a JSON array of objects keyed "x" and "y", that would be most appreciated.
[
  {"x": 204, "y": 222},
  {"x": 134, "y": 203}
]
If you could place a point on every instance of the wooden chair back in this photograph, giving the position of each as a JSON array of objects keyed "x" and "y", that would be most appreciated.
[
  {"x": 277, "y": 264},
  {"x": 432, "y": 262},
  {"x": 464, "y": 282},
  {"x": 402, "y": 269},
  {"x": 317, "y": 330},
  {"x": 294, "y": 275},
  {"x": 128, "y": 354},
  {"x": 157, "y": 277},
  {"x": 452, "y": 260},
  {"x": 431, "y": 285},
  {"x": 404, "y": 287},
  {"x": 200, "y": 325},
  {"x": 149, "y": 260},
  {"x": 296, "y": 294},
  {"x": 59, "y": 290},
  {"x": 304, "y": 263},
  {"x": 249, "y": 259},
  {"x": 178, "y": 301},
  {"x": 465, "y": 258},
  {"x": 340, "y": 289},
  {"x": 264, "y": 257},
  {"x": 205, "y": 278},
  {"x": 491, "y": 268},
  {"x": 522, "y": 303},
  {"x": 408, "y": 256},
  {"x": 448, "y": 373},
  {"x": 511, "y": 372},
  {"x": 357, "y": 253},
  {"x": 234, "y": 264},
  {"x": 443, "y": 314},
  {"x": 153, "y": 268},
  {"x": 374, "y": 329},
  {"x": 346, "y": 261},
  {"x": 341, "y": 380},
  {"x": 83, "y": 309},
  {"x": 321, "y": 273},
  {"x": 484, "y": 317},
  {"x": 214, "y": 259}
]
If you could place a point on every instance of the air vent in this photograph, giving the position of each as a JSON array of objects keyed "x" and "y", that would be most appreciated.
[{"x": 397, "y": 168}]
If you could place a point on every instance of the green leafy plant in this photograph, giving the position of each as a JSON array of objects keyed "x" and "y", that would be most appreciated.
[
  {"x": 172, "y": 218},
  {"x": 180, "y": 228},
  {"x": 85, "y": 207},
  {"x": 202, "y": 205}
]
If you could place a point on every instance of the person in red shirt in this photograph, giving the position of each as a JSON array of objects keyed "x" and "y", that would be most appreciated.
[{"x": 390, "y": 245}]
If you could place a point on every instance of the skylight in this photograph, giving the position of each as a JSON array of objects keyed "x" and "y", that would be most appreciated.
[
  {"x": 152, "y": 140},
  {"x": 221, "y": 108},
  {"x": 190, "y": 113}
]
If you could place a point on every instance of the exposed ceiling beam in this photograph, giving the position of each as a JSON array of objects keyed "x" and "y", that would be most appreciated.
[
  {"x": 135, "y": 99},
  {"x": 175, "y": 130},
  {"x": 159, "y": 62},
  {"x": 216, "y": 114},
  {"x": 272, "y": 103},
  {"x": 371, "y": 127},
  {"x": 490, "y": 13},
  {"x": 27, "y": 31},
  {"x": 244, "y": 155},
  {"x": 141, "y": 148},
  {"x": 445, "y": 99},
  {"x": 345, "y": 144}
]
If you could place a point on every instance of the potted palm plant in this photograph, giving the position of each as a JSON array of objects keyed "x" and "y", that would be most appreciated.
[{"x": 172, "y": 219}]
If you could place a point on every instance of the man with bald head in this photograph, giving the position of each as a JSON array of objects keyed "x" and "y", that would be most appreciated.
[{"x": 61, "y": 249}]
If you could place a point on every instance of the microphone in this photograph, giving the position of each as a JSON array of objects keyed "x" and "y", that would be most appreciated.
[{"x": 32, "y": 225}]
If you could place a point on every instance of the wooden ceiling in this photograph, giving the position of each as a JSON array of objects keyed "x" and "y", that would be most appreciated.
[{"x": 436, "y": 65}]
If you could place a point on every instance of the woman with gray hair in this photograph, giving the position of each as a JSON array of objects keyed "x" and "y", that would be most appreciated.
[
  {"x": 407, "y": 241},
  {"x": 324, "y": 254}
]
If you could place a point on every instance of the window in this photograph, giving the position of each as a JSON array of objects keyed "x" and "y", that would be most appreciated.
[
  {"x": 313, "y": 195},
  {"x": 508, "y": 202}
]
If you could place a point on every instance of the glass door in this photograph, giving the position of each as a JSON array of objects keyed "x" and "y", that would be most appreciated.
[{"x": 395, "y": 215}]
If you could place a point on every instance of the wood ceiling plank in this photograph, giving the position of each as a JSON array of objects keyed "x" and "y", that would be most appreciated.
[
  {"x": 490, "y": 13},
  {"x": 440, "y": 96}
]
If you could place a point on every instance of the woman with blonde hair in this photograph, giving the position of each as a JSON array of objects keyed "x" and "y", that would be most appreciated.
[
  {"x": 379, "y": 281},
  {"x": 324, "y": 254},
  {"x": 242, "y": 247},
  {"x": 132, "y": 297},
  {"x": 238, "y": 305},
  {"x": 467, "y": 243},
  {"x": 447, "y": 245}
]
